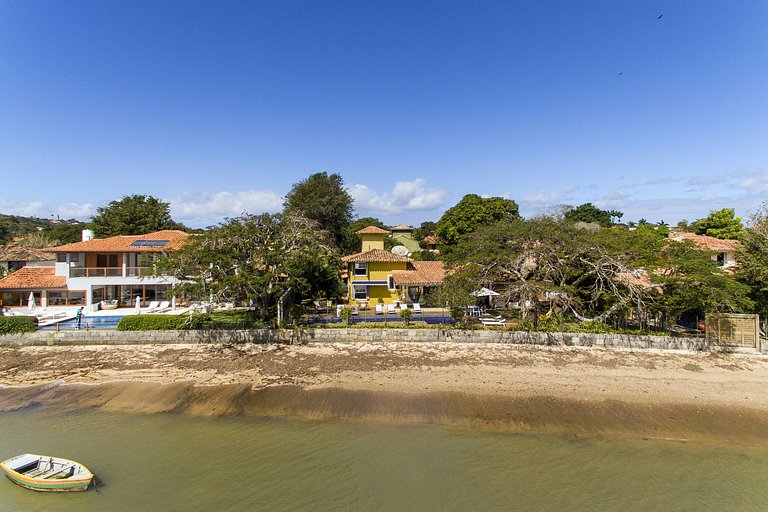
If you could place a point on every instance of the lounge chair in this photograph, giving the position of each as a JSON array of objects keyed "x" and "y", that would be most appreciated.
[
  {"x": 379, "y": 308},
  {"x": 162, "y": 307},
  {"x": 354, "y": 310},
  {"x": 151, "y": 307},
  {"x": 390, "y": 309},
  {"x": 416, "y": 308},
  {"x": 493, "y": 320},
  {"x": 319, "y": 308}
]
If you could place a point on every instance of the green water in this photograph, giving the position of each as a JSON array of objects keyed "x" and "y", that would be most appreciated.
[{"x": 171, "y": 462}]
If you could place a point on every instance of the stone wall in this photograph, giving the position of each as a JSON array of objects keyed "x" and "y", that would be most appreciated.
[{"x": 110, "y": 337}]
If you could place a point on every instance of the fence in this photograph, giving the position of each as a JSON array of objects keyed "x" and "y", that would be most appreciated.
[{"x": 733, "y": 329}]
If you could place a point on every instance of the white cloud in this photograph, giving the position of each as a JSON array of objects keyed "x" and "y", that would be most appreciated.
[
  {"x": 546, "y": 197},
  {"x": 755, "y": 183},
  {"x": 614, "y": 199},
  {"x": 75, "y": 211},
  {"x": 30, "y": 209},
  {"x": 207, "y": 208},
  {"x": 405, "y": 196}
]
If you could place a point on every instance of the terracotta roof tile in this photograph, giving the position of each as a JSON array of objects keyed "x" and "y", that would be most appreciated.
[
  {"x": 431, "y": 240},
  {"x": 16, "y": 252},
  {"x": 421, "y": 273},
  {"x": 33, "y": 278},
  {"x": 401, "y": 227},
  {"x": 122, "y": 243},
  {"x": 708, "y": 243},
  {"x": 372, "y": 230},
  {"x": 374, "y": 256}
]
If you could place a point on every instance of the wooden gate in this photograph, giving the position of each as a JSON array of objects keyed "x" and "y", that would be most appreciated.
[{"x": 733, "y": 329}]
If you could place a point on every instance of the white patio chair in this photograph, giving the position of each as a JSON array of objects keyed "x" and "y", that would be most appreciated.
[
  {"x": 390, "y": 309},
  {"x": 379, "y": 308},
  {"x": 416, "y": 308}
]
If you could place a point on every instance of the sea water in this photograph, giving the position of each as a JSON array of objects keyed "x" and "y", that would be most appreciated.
[{"x": 170, "y": 462}]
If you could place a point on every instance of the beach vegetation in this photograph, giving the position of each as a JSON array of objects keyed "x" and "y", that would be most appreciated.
[
  {"x": 17, "y": 324},
  {"x": 590, "y": 214},
  {"x": 722, "y": 224}
]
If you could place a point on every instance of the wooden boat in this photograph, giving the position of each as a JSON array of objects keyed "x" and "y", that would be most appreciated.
[{"x": 45, "y": 473}]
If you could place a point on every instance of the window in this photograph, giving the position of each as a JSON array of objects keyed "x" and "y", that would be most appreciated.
[
  {"x": 74, "y": 257},
  {"x": 361, "y": 269},
  {"x": 106, "y": 260},
  {"x": 391, "y": 282},
  {"x": 61, "y": 257},
  {"x": 361, "y": 292}
]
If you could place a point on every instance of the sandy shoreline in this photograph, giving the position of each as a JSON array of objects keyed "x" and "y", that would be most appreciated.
[{"x": 579, "y": 391}]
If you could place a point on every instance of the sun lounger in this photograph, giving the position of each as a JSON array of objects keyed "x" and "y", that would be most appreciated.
[
  {"x": 162, "y": 307},
  {"x": 416, "y": 308},
  {"x": 493, "y": 320},
  {"x": 379, "y": 308},
  {"x": 151, "y": 307},
  {"x": 390, "y": 309}
]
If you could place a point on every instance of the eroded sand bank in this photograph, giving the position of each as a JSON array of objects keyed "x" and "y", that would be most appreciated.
[{"x": 579, "y": 391}]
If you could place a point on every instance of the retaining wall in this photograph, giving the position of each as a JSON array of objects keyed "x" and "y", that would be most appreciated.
[{"x": 298, "y": 336}]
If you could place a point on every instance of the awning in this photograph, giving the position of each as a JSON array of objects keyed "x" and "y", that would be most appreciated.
[{"x": 484, "y": 292}]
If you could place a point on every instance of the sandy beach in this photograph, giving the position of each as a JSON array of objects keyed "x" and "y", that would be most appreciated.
[{"x": 643, "y": 394}]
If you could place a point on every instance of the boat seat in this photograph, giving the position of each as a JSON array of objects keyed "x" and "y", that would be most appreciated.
[{"x": 57, "y": 472}]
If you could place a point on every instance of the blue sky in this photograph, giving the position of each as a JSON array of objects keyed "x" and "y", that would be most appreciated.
[{"x": 220, "y": 107}]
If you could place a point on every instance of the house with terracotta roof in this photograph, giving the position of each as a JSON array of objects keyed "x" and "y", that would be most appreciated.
[
  {"x": 14, "y": 256},
  {"x": 374, "y": 273},
  {"x": 724, "y": 251},
  {"x": 403, "y": 235},
  {"x": 117, "y": 268}
]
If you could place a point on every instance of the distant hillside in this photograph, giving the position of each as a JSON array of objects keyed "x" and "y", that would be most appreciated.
[{"x": 65, "y": 231}]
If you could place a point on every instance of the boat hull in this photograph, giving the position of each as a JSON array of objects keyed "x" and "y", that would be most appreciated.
[{"x": 80, "y": 479}]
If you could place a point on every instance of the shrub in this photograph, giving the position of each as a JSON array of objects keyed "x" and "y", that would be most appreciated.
[
  {"x": 406, "y": 315},
  {"x": 17, "y": 324},
  {"x": 346, "y": 314},
  {"x": 151, "y": 323}
]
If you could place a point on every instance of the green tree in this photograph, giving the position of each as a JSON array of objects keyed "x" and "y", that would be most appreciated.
[
  {"x": 424, "y": 230},
  {"x": 753, "y": 258},
  {"x": 133, "y": 215},
  {"x": 472, "y": 212},
  {"x": 256, "y": 258},
  {"x": 584, "y": 272},
  {"x": 722, "y": 224},
  {"x": 66, "y": 232},
  {"x": 694, "y": 285},
  {"x": 323, "y": 198},
  {"x": 590, "y": 213}
]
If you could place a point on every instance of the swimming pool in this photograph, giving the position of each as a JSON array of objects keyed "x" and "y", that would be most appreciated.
[{"x": 87, "y": 322}]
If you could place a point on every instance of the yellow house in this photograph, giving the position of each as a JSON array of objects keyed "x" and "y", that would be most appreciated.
[
  {"x": 371, "y": 270},
  {"x": 378, "y": 274}
]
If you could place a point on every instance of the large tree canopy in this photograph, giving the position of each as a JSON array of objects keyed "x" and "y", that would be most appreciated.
[
  {"x": 133, "y": 215},
  {"x": 754, "y": 258},
  {"x": 590, "y": 213},
  {"x": 256, "y": 258},
  {"x": 472, "y": 212},
  {"x": 720, "y": 224},
  {"x": 323, "y": 198}
]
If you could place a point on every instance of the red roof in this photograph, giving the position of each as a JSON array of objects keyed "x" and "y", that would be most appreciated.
[
  {"x": 374, "y": 256},
  {"x": 372, "y": 230},
  {"x": 128, "y": 243},
  {"x": 33, "y": 278},
  {"x": 421, "y": 273},
  {"x": 708, "y": 243}
]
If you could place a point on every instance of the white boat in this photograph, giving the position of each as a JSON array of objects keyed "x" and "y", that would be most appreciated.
[{"x": 46, "y": 473}]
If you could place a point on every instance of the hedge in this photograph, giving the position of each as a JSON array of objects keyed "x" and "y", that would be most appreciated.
[
  {"x": 16, "y": 324},
  {"x": 151, "y": 323}
]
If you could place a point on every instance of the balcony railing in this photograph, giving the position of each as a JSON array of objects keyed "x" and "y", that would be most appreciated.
[{"x": 109, "y": 271}]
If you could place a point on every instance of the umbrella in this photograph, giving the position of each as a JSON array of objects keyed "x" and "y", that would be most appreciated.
[
  {"x": 138, "y": 304},
  {"x": 31, "y": 301},
  {"x": 484, "y": 292}
]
